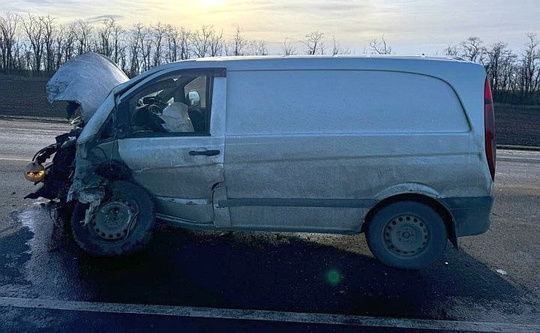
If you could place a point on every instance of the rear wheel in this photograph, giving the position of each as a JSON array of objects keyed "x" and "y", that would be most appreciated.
[
  {"x": 407, "y": 234},
  {"x": 122, "y": 224}
]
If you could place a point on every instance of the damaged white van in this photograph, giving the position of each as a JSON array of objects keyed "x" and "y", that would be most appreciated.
[{"x": 399, "y": 148}]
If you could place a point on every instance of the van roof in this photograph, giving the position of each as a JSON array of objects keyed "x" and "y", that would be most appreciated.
[
  {"x": 318, "y": 58},
  {"x": 367, "y": 62}
]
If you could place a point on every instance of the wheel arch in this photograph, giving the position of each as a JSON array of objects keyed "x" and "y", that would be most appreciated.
[{"x": 422, "y": 198}]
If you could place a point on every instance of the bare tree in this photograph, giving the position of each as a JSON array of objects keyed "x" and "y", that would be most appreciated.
[
  {"x": 314, "y": 43},
  {"x": 500, "y": 67},
  {"x": 119, "y": 48},
  {"x": 380, "y": 46},
  {"x": 185, "y": 44},
  {"x": 122, "y": 57},
  {"x": 172, "y": 38},
  {"x": 257, "y": 47},
  {"x": 337, "y": 49},
  {"x": 105, "y": 34},
  {"x": 207, "y": 42},
  {"x": 49, "y": 31},
  {"x": 159, "y": 32},
  {"x": 288, "y": 48},
  {"x": 473, "y": 49},
  {"x": 60, "y": 41},
  {"x": 135, "y": 48},
  {"x": 507, "y": 78},
  {"x": 178, "y": 43},
  {"x": 147, "y": 44},
  {"x": 83, "y": 34},
  {"x": 200, "y": 40},
  {"x": 108, "y": 40},
  {"x": 216, "y": 44},
  {"x": 18, "y": 56},
  {"x": 8, "y": 29},
  {"x": 70, "y": 37},
  {"x": 35, "y": 31},
  {"x": 27, "y": 57},
  {"x": 530, "y": 67},
  {"x": 452, "y": 51},
  {"x": 238, "y": 44}
]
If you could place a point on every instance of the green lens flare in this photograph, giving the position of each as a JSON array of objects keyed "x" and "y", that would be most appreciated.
[{"x": 333, "y": 276}]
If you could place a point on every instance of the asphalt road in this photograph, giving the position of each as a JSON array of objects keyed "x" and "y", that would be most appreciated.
[{"x": 204, "y": 281}]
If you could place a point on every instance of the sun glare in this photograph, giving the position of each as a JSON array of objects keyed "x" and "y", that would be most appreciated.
[{"x": 211, "y": 3}]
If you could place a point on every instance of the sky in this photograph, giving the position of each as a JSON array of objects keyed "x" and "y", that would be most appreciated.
[{"x": 409, "y": 26}]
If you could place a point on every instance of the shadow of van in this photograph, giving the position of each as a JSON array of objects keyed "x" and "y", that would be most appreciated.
[{"x": 288, "y": 272}]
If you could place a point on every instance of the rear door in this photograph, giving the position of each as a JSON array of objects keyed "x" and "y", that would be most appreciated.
[{"x": 174, "y": 146}]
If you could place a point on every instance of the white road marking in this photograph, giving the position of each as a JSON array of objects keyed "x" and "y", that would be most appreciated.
[
  {"x": 518, "y": 159},
  {"x": 15, "y": 159},
  {"x": 522, "y": 156},
  {"x": 263, "y": 315}
]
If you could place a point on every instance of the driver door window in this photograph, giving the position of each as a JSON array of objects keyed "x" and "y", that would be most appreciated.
[{"x": 172, "y": 104}]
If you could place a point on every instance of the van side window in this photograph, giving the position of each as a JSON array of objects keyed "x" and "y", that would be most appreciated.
[{"x": 171, "y": 104}]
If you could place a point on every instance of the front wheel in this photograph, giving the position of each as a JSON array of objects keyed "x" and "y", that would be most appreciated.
[
  {"x": 122, "y": 224},
  {"x": 407, "y": 234}
]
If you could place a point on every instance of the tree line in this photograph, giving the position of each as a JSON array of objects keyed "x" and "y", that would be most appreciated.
[
  {"x": 514, "y": 77},
  {"x": 38, "y": 45}
]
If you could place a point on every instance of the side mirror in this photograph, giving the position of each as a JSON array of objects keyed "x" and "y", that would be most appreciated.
[{"x": 194, "y": 98}]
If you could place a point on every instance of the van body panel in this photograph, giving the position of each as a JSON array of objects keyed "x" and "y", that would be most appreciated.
[
  {"x": 350, "y": 168},
  {"x": 347, "y": 167},
  {"x": 330, "y": 101},
  {"x": 328, "y": 137},
  {"x": 181, "y": 183},
  {"x": 298, "y": 219}
]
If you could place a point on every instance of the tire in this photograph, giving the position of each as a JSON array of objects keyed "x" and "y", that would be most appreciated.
[
  {"x": 122, "y": 224},
  {"x": 408, "y": 234}
]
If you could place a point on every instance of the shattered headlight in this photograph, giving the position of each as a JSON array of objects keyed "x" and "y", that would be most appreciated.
[{"x": 34, "y": 172}]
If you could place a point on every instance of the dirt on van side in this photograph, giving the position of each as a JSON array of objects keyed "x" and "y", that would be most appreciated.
[{"x": 25, "y": 97}]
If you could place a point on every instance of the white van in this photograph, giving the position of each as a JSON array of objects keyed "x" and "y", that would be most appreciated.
[{"x": 400, "y": 148}]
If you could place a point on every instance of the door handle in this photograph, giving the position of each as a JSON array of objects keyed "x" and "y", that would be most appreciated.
[{"x": 204, "y": 152}]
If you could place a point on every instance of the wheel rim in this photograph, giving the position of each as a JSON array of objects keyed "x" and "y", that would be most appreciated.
[
  {"x": 406, "y": 235},
  {"x": 114, "y": 220}
]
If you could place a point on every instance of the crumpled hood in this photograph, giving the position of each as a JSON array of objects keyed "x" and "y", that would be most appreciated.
[{"x": 87, "y": 80}]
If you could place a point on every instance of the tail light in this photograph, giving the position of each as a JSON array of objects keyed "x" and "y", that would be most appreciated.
[{"x": 489, "y": 128}]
